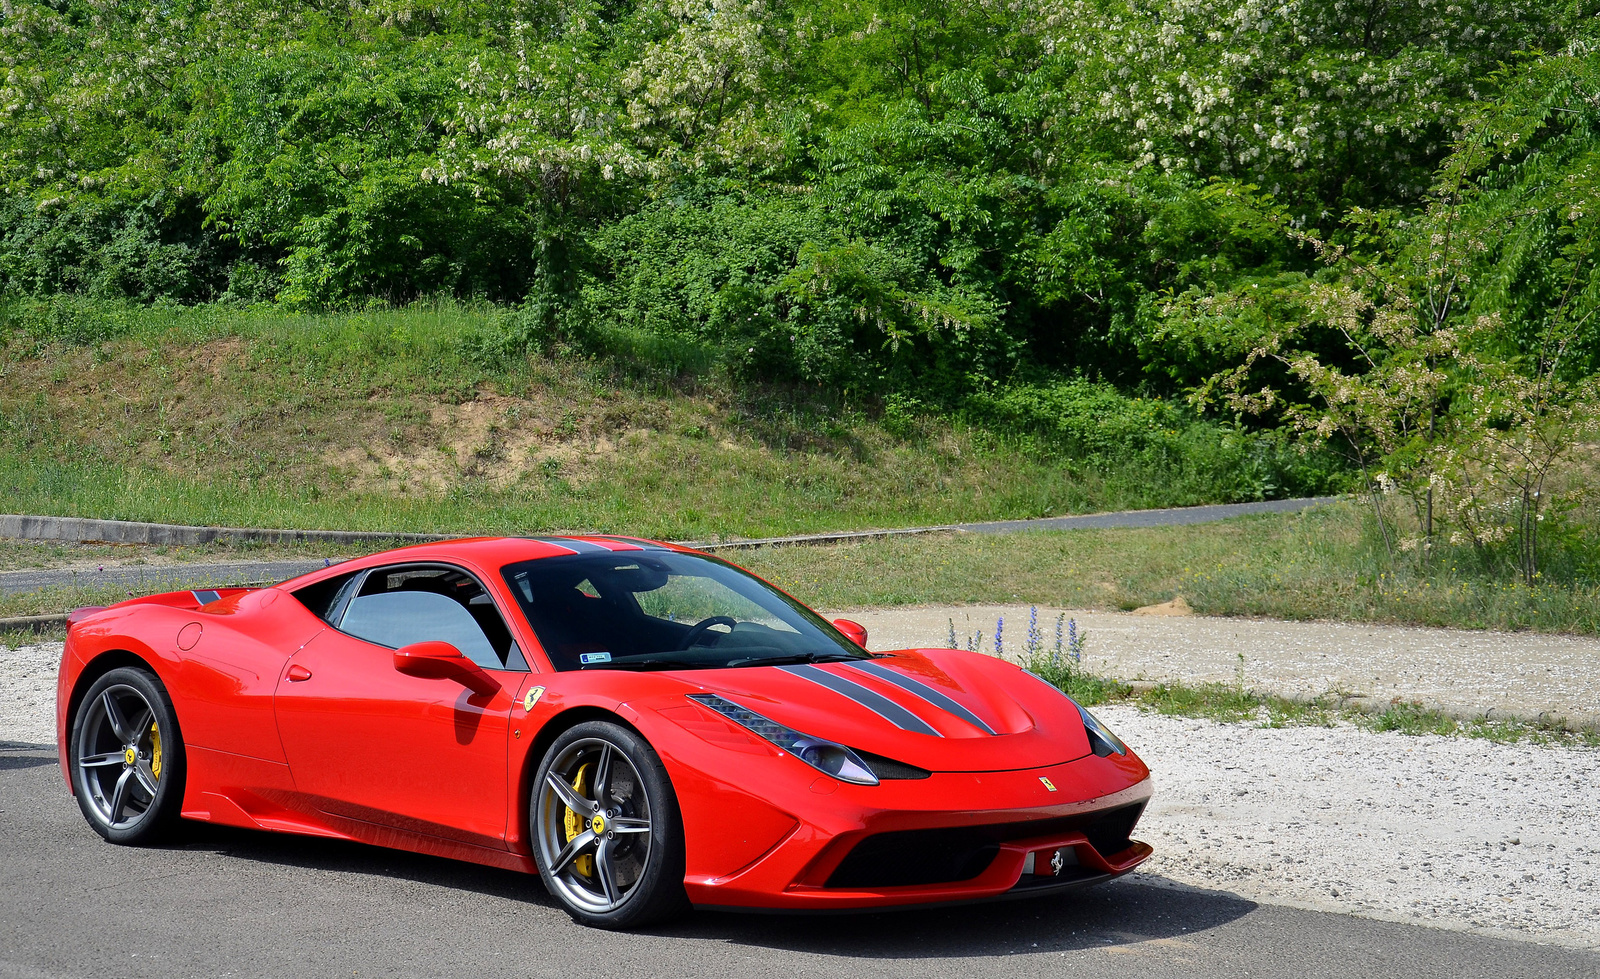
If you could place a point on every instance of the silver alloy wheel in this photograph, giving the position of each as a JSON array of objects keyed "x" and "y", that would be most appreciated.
[
  {"x": 593, "y": 820},
  {"x": 119, "y": 757}
]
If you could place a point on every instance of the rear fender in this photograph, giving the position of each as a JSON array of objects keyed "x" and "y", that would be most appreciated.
[{"x": 84, "y": 662}]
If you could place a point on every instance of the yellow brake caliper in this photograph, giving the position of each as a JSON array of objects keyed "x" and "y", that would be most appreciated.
[
  {"x": 576, "y": 823},
  {"x": 155, "y": 752}
]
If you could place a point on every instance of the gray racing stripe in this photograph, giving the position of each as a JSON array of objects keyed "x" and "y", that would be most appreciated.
[
  {"x": 919, "y": 689},
  {"x": 634, "y": 542},
  {"x": 875, "y": 702},
  {"x": 575, "y": 546},
  {"x": 205, "y": 597}
]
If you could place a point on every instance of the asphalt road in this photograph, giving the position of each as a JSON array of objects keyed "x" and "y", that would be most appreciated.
[
  {"x": 147, "y": 579},
  {"x": 236, "y": 903},
  {"x": 1171, "y": 517}
]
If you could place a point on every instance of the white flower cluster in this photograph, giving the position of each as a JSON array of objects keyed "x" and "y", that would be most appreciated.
[
  {"x": 556, "y": 109},
  {"x": 1227, "y": 87}
]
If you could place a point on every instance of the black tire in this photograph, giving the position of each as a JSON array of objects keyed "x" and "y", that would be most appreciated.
[
  {"x": 617, "y": 852},
  {"x": 126, "y": 757}
]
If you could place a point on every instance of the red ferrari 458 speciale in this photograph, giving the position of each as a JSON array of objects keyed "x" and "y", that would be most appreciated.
[{"x": 645, "y": 726}]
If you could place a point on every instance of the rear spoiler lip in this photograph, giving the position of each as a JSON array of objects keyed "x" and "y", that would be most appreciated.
[
  {"x": 79, "y": 614},
  {"x": 188, "y": 600}
]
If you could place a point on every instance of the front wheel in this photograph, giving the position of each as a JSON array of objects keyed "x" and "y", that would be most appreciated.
[
  {"x": 126, "y": 757},
  {"x": 607, "y": 834}
]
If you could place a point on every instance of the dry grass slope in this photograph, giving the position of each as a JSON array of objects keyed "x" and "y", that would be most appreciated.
[{"x": 381, "y": 421}]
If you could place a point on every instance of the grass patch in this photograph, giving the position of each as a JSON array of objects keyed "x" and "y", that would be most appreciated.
[
  {"x": 17, "y": 638},
  {"x": 59, "y": 599},
  {"x": 1232, "y": 704},
  {"x": 388, "y": 420},
  {"x": 1316, "y": 564},
  {"x": 1322, "y": 563}
]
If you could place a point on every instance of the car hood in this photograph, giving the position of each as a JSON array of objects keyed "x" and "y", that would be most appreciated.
[{"x": 944, "y": 710}]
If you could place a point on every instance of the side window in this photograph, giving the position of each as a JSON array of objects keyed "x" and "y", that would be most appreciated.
[
  {"x": 400, "y": 606},
  {"x": 325, "y": 598}
]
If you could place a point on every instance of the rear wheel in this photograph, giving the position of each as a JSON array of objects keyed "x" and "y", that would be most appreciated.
[
  {"x": 126, "y": 757},
  {"x": 607, "y": 834}
]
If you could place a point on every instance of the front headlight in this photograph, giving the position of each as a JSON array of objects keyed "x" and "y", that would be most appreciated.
[
  {"x": 1100, "y": 737},
  {"x": 825, "y": 756}
]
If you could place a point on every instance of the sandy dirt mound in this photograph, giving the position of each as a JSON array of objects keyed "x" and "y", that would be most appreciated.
[{"x": 1175, "y": 607}]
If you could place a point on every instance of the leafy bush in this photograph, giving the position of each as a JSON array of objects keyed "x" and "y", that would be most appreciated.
[
  {"x": 148, "y": 250},
  {"x": 770, "y": 288},
  {"x": 944, "y": 201},
  {"x": 1154, "y": 439}
]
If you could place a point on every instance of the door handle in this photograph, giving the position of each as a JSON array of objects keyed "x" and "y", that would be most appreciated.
[{"x": 297, "y": 673}]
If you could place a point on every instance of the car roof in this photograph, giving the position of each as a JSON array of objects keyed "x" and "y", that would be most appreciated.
[{"x": 489, "y": 552}]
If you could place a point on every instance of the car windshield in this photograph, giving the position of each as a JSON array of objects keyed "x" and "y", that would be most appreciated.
[{"x": 653, "y": 610}]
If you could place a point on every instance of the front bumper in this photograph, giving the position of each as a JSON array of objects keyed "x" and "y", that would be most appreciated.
[{"x": 951, "y": 838}]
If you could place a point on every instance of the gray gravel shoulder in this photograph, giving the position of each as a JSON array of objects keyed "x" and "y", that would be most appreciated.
[
  {"x": 28, "y": 693},
  {"x": 1466, "y": 673},
  {"x": 1454, "y": 833}
]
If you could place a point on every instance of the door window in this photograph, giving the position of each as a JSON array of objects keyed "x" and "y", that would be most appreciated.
[{"x": 399, "y": 606}]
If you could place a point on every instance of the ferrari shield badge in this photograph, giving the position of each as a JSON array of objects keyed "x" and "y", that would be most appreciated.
[
  {"x": 534, "y": 693},
  {"x": 1047, "y": 783}
]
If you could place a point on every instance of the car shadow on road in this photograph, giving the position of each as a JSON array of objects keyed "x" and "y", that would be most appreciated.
[
  {"x": 1132, "y": 910},
  {"x": 22, "y": 754},
  {"x": 359, "y": 858},
  {"x": 1118, "y": 913}
]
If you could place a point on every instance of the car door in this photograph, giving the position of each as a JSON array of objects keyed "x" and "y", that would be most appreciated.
[{"x": 368, "y": 743}]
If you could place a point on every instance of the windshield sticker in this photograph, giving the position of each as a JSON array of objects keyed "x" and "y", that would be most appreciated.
[{"x": 588, "y": 658}]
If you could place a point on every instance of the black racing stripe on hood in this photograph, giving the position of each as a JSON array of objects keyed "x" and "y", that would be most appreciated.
[
  {"x": 875, "y": 702},
  {"x": 919, "y": 689}
]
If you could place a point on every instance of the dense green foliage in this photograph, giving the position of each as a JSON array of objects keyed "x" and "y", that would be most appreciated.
[
  {"x": 934, "y": 196},
  {"x": 1048, "y": 219}
]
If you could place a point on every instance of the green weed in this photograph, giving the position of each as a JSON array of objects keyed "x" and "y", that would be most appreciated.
[{"x": 1316, "y": 564}]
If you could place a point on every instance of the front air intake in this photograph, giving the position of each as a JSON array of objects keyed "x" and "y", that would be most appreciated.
[{"x": 947, "y": 856}]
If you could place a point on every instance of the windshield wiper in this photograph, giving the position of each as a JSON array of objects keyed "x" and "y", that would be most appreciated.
[
  {"x": 790, "y": 658},
  {"x": 649, "y": 664}
]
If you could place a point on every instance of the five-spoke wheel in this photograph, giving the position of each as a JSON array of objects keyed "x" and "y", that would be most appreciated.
[
  {"x": 606, "y": 829},
  {"x": 126, "y": 757}
]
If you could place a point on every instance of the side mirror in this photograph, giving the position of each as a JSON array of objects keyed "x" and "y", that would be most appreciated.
[
  {"x": 853, "y": 631},
  {"x": 442, "y": 661}
]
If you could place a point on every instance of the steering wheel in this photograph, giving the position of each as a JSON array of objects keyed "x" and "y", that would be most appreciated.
[{"x": 699, "y": 628}]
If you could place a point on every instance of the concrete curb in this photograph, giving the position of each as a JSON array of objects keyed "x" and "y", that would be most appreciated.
[
  {"x": 802, "y": 540},
  {"x": 33, "y": 623},
  {"x": 86, "y": 530}
]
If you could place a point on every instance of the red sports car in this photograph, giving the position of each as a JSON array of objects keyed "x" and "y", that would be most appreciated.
[{"x": 645, "y": 726}]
